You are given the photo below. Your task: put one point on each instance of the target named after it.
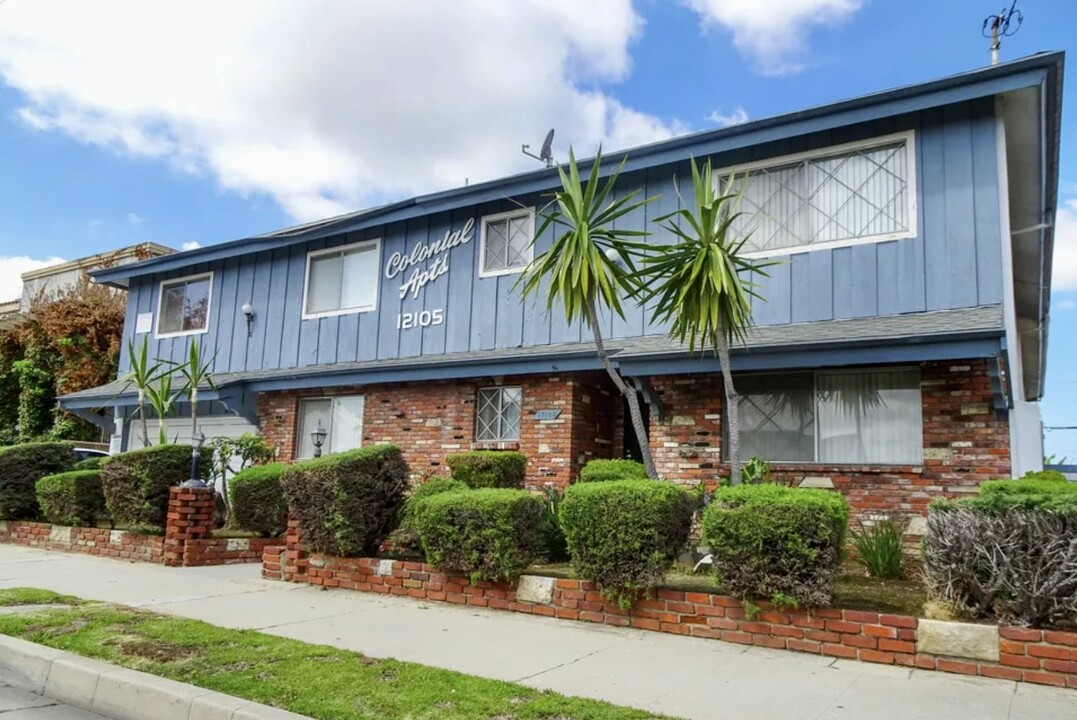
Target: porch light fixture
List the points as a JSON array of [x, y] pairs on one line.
[[196, 453], [318, 438], [248, 312]]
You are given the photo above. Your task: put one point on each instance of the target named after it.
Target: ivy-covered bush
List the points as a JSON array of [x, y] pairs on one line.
[[617, 469], [21, 466], [94, 462], [771, 541], [346, 503], [136, 483], [257, 501], [490, 534], [72, 498], [488, 468], [1009, 553], [625, 534]]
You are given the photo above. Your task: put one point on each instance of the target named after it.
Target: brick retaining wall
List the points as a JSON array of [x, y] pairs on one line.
[[118, 544], [1044, 657]]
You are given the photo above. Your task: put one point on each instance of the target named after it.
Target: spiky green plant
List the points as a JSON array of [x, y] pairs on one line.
[[163, 400], [196, 374], [142, 375], [590, 264], [701, 284]]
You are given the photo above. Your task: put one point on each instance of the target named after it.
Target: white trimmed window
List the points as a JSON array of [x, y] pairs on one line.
[[497, 415], [507, 242], [843, 195], [183, 306], [342, 419], [342, 280], [847, 416]]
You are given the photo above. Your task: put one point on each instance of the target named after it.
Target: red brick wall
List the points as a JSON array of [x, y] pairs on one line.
[[430, 420], [1037, 656], [965, 442], [89, 541]]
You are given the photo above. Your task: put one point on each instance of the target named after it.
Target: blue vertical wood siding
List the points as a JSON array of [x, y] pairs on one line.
[[954, 261]]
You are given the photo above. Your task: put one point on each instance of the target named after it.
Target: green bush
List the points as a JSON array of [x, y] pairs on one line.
[[554, 533], [257, 501], [880, 548], [624, 535], [72, 498], [21, 466], [405, 538], [771, 540], [607, 470], [1049, 475], [491, 534], [136, 483], [488, 468], [346, 503], [1009, 554], [94, 462]]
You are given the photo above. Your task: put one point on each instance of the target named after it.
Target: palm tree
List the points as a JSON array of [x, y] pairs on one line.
[[700, 282], [142, 375], [590, 263]]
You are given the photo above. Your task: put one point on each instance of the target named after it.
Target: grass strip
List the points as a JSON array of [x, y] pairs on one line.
[[34, 596], [316, 680]]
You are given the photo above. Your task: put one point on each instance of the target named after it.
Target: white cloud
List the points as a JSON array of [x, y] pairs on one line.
[[328, 106], [1064, 263], [1065, 305], [738, 117], [192, 245], [773, 33], [11, 270], [135, 219]]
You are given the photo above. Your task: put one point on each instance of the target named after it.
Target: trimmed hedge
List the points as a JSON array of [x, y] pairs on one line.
[[347, 502], [617, 469], [405, 538], [72, 498], [257, 501], [91, 463], [1009, 553], [777, 543], [21, 466], [624, 535], [491, 534], [488, 468], [136, 483]]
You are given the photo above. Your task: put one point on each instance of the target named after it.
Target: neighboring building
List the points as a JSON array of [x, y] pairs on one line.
[[899, 354]]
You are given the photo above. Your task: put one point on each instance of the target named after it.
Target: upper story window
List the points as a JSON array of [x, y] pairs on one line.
[[506, 242], [183, 307], [341, 418], [497, 417], [844, 195], [342, 280], [847, 416]]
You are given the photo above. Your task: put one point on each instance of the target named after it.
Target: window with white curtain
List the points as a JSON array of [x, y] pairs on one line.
[[846, 416], [497, 415], [861, 192], [342, 280], [342, 419]]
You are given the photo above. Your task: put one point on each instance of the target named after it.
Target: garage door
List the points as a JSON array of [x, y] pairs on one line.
[[178, 430]]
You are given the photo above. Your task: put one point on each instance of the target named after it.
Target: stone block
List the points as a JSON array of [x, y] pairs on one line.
[[126, 694], [955, 639], [385, 568], [60, 534], [823, 483], [238, 544], [938, 454], [917, 526], [535, 589], [116, 536], [682, 420]]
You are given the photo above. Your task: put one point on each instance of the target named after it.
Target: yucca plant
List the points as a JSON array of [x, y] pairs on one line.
[[142, 375], [880, 548], [196, 373], [163, 400], [590, 264], [701, 284]]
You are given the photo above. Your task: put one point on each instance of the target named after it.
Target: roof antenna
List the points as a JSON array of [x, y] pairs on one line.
[[998, 26], [546, 153]]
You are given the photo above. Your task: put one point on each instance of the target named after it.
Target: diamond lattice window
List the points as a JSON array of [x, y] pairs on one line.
[[507, 242], [861, 193], [497, 416]]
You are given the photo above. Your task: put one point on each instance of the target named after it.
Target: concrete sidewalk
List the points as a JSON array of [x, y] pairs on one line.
[[684, 677], [18, 704]]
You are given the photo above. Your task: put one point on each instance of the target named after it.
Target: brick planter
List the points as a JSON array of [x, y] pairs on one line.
[[186, 541], [1044, 657]]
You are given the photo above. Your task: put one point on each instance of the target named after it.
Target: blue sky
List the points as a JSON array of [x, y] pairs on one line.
[[113, 131]]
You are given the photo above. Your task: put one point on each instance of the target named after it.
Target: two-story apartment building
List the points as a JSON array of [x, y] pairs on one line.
[[898, 351]]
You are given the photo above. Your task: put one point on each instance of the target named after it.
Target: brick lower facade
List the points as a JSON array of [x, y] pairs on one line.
[[965, 441]]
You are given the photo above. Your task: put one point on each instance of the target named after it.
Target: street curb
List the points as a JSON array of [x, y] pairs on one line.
[[119, 693]]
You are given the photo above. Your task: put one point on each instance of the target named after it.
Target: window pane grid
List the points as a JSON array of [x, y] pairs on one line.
[[497, 416], [507, 243]]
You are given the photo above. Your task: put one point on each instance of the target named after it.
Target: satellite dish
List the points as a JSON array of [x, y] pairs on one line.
[[546, 154]]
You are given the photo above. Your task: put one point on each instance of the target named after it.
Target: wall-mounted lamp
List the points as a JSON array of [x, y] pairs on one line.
[[613, 256], [248, 312]]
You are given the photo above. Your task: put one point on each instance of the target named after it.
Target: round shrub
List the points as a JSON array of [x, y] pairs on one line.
[[617, 469], [346, 502], [136, 483], [72, 498], [771, 540], [21, 466], [94, 462], [625, 534], [491, 534], [432, 487], [488, 468], [257, 500], [405, 538]]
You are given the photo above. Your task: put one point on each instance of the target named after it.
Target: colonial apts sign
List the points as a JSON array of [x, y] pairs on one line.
[[419, 274]]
